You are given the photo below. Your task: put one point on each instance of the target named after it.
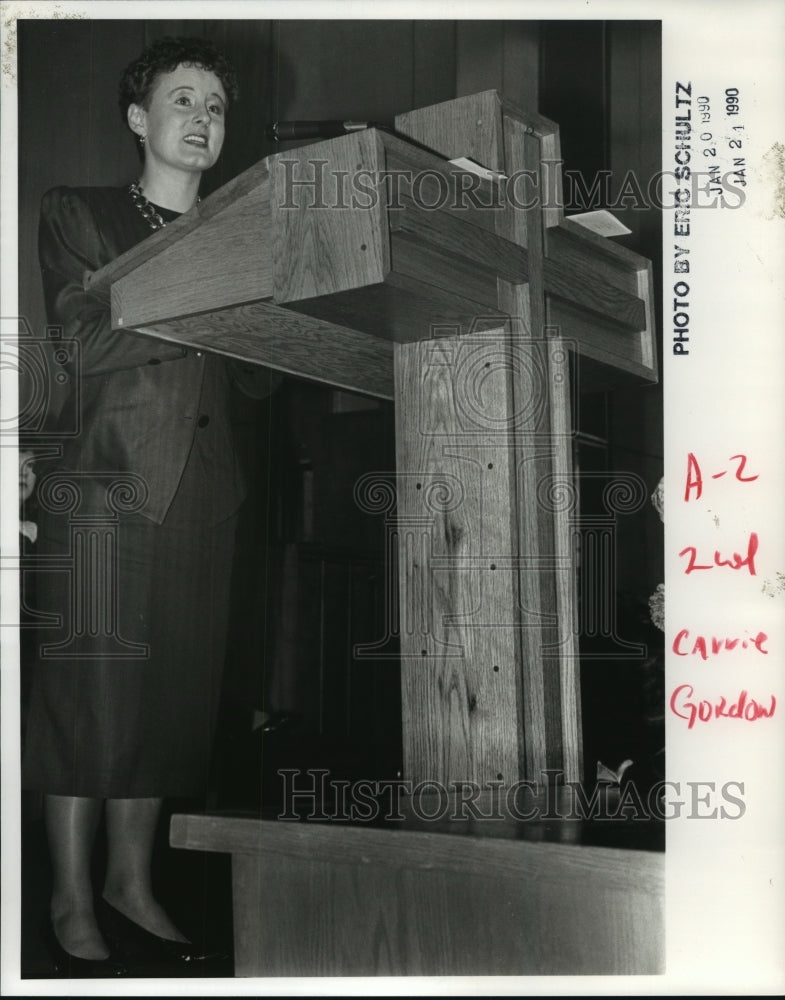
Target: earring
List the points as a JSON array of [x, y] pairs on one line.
[[142, 140]]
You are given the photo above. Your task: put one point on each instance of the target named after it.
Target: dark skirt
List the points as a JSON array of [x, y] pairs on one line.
[[125, 691]]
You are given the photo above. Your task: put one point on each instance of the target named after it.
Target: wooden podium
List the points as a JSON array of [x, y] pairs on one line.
[[372, 263]]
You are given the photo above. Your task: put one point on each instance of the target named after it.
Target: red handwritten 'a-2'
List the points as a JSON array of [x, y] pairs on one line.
[[694, 480]]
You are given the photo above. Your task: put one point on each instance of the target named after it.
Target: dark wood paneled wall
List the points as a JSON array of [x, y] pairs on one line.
[[634, 150], [499, 55]]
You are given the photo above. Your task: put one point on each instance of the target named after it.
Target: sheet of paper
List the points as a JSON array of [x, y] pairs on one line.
[[601, 222], [465, 163]]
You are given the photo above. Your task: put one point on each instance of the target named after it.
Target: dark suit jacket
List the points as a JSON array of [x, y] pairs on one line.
[[147, 407]]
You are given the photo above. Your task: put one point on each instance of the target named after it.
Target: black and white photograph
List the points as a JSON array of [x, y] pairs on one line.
[[393, 587]]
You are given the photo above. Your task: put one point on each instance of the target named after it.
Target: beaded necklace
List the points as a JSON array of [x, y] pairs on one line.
[[148, 212]]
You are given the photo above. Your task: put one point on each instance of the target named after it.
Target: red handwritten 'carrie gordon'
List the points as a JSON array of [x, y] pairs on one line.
[[743, 707]]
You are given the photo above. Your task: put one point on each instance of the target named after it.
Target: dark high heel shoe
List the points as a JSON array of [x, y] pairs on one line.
[[140, 945], [70, 966]]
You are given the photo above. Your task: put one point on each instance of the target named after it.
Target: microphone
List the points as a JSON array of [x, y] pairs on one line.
[[283, 131], [315, 130]]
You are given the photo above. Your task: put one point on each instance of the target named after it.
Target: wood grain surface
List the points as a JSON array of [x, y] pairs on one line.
[[222, 263], [450, 847], [290, 342], [321, 899], [99, 282], [466, 126], [543, 455], [458, 618], [325, 238]]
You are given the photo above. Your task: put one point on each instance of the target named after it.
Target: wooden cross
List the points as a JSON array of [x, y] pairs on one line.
[[509, 707], [479, 313]]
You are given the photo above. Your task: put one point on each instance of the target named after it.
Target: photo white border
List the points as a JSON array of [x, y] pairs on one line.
[[725, 914]]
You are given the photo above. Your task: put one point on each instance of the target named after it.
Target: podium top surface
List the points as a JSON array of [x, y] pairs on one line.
[[413, 244]]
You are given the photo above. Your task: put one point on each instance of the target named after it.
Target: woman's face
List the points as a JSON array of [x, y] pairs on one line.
[[184, 124]]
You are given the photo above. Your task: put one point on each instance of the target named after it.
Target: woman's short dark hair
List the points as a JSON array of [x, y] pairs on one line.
[[165, 55]]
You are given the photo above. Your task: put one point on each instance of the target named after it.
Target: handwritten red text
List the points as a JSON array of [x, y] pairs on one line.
[[706, 646], [742, 707], [736, 561], [694, 481]]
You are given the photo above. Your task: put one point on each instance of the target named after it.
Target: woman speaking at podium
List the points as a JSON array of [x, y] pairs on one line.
[[129, 720]]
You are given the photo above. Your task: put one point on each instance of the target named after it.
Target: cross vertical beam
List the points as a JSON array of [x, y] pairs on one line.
[[492, 409]]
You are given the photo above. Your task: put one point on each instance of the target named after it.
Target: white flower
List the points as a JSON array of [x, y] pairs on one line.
[[657, 607], [658, 499]]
